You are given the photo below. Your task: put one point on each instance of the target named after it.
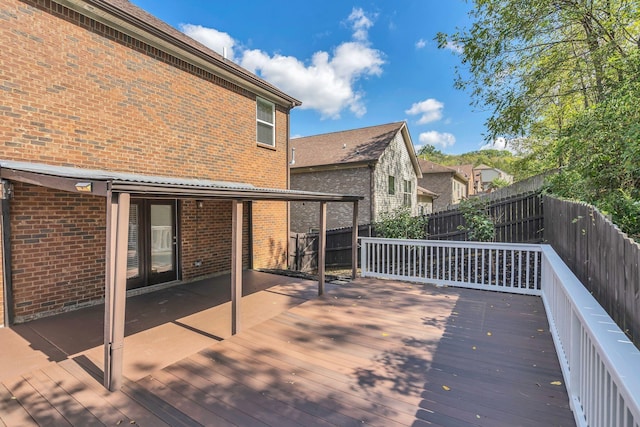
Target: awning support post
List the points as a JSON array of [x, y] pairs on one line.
[[236, 265], [115, 287], [322, 246]]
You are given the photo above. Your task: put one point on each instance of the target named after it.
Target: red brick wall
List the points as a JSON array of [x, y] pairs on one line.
[[206, 237], [79, 94], [58, 250]]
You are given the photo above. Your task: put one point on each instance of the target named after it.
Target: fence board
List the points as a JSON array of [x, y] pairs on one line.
[[601, 256], [303, 248], [518, 219]]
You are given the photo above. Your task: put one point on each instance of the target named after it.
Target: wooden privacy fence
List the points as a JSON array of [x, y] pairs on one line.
[[303, 248], [605, 260], [518, 219]]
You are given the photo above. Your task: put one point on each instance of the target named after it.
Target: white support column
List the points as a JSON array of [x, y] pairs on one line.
[[115, 287], [354, 242], [322, 246], [236, 265]]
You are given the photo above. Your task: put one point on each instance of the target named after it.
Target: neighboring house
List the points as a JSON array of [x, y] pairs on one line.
[[377, 162], [130, 153], [474, 184], [425, 201], [450, 185], [488, 174]]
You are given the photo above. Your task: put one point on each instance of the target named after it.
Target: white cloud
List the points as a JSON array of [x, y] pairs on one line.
[[499, 143], [429, 110], [360, 23], [212, 38], [437, 139], [454, 47], [327, 82], [421, 44]]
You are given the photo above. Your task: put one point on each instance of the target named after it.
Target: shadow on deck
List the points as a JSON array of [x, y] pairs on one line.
[[370, 352]]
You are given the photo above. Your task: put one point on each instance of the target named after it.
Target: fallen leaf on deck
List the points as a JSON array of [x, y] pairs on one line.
[[540, 330], [446, 388], [489, 333], [474, 347], [384, 334], [556, 383]]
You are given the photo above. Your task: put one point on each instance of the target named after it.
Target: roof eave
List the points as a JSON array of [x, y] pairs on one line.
[[412, 152]]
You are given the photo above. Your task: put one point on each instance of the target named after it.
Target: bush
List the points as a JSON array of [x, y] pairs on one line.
[[479, 224], [399, 224]]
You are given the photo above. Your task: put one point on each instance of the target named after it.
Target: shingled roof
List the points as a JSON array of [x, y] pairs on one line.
[[364, 145], [428, 167], [134, 21]]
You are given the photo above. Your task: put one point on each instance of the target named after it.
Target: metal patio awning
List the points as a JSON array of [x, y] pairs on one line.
[[100, 182], [118, 188]]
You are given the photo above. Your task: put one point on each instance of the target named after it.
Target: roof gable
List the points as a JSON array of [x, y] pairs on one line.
[[350, 146], [428, 167]]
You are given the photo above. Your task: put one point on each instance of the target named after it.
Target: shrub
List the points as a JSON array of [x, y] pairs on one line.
[[399, 224], [479, 224]]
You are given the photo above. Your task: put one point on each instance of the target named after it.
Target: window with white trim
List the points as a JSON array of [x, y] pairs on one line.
[[407, 193], [266, 122]]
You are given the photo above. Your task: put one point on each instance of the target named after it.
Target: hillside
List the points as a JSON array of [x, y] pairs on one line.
[[501, 159]]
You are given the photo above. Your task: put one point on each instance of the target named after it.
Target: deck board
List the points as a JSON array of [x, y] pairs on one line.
[[371, 352]]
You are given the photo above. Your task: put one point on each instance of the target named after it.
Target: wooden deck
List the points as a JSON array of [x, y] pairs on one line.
[[370, 352]]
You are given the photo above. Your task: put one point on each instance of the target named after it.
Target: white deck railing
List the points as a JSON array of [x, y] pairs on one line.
[[601, 367]]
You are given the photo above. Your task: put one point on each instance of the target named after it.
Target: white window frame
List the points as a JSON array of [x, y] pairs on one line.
[[407, 190], [272, 125]]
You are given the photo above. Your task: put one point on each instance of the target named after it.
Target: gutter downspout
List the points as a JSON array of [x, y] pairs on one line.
[[6, 191]]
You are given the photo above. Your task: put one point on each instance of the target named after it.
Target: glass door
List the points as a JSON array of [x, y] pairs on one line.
[[162, 242], [151, 256]]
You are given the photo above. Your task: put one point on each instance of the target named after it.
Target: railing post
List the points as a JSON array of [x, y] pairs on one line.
[[364, 266]]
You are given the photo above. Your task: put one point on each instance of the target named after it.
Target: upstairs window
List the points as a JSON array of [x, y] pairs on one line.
[[266, 120], [407, 193], [392, 185]]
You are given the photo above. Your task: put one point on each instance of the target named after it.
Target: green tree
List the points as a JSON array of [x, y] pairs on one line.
[[479, 225], [562, 80], [539, 62], [430, 152]]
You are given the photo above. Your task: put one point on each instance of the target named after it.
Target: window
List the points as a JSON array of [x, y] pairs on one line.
[[407, 193], [265, 117], [392, 185]]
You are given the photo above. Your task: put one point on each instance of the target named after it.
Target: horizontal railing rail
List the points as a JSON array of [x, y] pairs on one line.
[[600, 365], [489, 266]]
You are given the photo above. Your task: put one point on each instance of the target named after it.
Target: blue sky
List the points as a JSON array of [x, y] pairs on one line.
[[351, 64]]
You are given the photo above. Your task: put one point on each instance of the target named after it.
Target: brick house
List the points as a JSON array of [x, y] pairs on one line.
[[450, 184], [132, 158], [377, 162], [425, 200]]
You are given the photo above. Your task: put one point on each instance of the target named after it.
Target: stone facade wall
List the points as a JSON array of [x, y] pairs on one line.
[[395, 161]]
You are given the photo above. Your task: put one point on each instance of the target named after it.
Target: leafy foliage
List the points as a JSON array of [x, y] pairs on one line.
[[399, 224], [499, 183], [562, 79], [602, 148], [479, 224]]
